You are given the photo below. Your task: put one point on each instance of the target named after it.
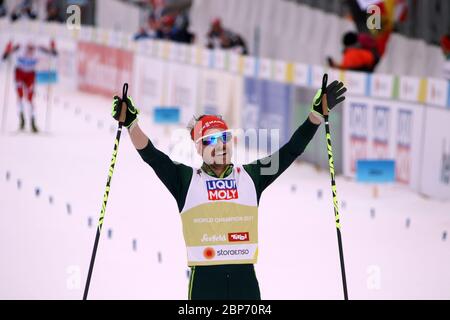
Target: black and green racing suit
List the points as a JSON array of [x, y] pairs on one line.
[[227, 281]]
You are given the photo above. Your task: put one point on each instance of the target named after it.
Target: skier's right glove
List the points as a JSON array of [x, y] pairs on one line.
[[132, 111]]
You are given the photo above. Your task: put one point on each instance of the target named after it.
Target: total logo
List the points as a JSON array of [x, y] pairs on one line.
[[222, 189], [239, 236]]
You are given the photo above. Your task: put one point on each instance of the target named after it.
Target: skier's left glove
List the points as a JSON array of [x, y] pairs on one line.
[[335, 95], [132, 111]]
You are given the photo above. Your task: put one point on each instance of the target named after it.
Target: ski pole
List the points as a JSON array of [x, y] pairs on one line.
[[333, 181], [6, 95], [108, 184]]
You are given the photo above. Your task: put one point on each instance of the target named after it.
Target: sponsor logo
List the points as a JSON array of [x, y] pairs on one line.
[[238, 236], [209, 253], [221, 189], [213, 238], [232, 252]]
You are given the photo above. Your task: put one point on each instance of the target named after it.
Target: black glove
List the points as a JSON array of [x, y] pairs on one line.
[[335, 95], [132, 111]]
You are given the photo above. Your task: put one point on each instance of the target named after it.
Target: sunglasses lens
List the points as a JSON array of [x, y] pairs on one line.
[[212, 140]]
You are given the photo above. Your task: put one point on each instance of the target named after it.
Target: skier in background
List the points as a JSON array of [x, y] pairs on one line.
[[25, 75]]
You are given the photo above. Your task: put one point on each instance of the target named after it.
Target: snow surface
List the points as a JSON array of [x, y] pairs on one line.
[[45, 249]]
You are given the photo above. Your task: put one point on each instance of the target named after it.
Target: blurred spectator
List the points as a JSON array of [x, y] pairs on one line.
[[368, 42], [175, 27], [172, 27], [144, 33], [219, 37], [2, 8], [53, 11], [24, 8], [354, 57], [166, 27], [392, 13], [445, 45]]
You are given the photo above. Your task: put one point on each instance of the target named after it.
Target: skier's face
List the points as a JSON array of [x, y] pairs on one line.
[[30, 50], [216, 147]]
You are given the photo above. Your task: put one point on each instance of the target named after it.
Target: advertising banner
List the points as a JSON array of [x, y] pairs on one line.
[[103, 70], [150, 82], [435, 175], [381, 129], [182, 89], [267, 105], [219, 93]]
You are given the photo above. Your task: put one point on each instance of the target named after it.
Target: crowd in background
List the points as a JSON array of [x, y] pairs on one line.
[[27, 9], [169, 19]]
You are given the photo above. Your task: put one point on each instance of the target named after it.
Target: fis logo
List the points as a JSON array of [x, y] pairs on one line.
[[238, 236], [221, 189]]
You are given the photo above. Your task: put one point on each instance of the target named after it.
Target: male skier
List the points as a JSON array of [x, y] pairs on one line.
[[218, 202]]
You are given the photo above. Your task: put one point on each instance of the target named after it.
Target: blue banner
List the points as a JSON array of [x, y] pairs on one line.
[[46, 77], [375, 171], [267, 106], [166, 115]]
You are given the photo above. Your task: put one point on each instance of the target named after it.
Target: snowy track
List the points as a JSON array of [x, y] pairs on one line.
[[393, 245]]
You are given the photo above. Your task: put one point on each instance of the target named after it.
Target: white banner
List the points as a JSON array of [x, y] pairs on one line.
[[66, 62], [150, 82], [382, 86], [437, 92], [219, 93], [409, 88], [381, 129], [182, 89], [355, 82], [435, 175]]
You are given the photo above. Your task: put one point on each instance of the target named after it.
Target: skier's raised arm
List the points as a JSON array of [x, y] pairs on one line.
[[279, 161], [51, 50], [9, 50], [175, 176]]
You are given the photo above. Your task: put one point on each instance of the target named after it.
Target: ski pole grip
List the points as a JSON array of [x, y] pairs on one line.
[[123, 111], [324, 95]]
